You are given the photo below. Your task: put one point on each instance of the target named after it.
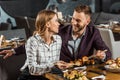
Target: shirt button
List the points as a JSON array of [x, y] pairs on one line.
[[48, 49]]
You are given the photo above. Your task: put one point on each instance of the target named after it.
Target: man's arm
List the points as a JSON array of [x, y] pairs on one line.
[[101, 47], [16, 51], [20, 50]]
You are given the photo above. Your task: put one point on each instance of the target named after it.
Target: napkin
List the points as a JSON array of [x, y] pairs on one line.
[[101, 77]]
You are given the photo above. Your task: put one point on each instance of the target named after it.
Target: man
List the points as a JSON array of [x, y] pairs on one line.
[[79, 39]]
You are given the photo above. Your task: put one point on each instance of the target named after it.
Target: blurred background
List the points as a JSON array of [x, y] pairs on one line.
[[30, 8]]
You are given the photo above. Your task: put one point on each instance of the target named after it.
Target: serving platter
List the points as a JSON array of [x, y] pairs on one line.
[[107, 67]]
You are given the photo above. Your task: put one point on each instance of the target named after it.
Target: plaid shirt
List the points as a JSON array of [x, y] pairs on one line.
[[40, 56]]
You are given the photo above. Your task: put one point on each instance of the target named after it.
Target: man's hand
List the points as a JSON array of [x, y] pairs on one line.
[[101, 54], [6, 53]]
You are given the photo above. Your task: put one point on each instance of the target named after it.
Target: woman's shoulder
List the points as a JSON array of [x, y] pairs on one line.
[[56, 36], [34, 38]]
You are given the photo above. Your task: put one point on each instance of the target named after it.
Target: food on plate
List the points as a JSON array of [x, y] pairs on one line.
[[75, 75], [78, 63], [114, 64], [92, 61], [111, 61], [85, 59], [118, 59]]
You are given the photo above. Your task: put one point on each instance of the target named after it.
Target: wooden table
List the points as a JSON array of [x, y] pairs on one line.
[[109, 75]]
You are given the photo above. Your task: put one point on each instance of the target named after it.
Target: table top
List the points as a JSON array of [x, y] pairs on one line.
[[115, 29], [109, 75], [91, 72]]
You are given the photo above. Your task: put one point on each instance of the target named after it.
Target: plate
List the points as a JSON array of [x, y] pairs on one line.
[[107, 67], [80, 68], [5, 48]]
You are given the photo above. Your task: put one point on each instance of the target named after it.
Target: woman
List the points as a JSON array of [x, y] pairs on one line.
[[43, 48]]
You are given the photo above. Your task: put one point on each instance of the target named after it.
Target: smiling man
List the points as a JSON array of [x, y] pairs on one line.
[[81, 37]]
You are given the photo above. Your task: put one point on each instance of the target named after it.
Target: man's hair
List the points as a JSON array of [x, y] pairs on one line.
[[83, 8]]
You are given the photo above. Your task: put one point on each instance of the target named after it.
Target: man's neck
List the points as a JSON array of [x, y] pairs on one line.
[[78, 34]]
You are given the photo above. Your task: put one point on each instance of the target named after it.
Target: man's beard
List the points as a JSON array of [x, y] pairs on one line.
[[80, 28]]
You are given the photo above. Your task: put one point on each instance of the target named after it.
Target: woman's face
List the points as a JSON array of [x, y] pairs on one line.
[[54, 25]]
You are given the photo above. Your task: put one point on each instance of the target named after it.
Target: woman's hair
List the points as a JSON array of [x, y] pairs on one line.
[[43, 17], [83, 8]]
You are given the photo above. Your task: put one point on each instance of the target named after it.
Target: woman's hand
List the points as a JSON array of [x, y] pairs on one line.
[[63, 65]]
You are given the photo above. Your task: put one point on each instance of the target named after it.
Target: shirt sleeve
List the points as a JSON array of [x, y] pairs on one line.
[[34, 65]]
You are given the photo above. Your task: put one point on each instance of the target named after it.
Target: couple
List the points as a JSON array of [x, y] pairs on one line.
[[45, 48]]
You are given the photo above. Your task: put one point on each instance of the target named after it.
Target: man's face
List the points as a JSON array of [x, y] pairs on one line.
[[79, 21]]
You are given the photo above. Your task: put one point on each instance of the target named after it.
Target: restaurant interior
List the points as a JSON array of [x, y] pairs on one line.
[[17, 22]]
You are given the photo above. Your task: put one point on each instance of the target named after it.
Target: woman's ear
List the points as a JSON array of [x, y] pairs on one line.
[[48, 24]]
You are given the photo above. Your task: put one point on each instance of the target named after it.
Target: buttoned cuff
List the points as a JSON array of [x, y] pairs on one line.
[[13, 51], [103, 60]]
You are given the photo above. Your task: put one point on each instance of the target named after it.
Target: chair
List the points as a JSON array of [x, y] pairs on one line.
[[21, 23], [5, 26], [108, 38], [31, 24], [27, 23]]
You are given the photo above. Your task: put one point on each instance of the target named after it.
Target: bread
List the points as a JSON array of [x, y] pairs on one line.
[[92, 61], [109, 62], [77, 63], [85, 59], [118, 59]]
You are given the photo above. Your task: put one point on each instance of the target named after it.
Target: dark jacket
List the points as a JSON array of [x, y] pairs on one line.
[[90, 41], [20, 50]]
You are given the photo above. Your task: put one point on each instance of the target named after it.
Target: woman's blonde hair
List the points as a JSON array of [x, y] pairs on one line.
[[43, 17]]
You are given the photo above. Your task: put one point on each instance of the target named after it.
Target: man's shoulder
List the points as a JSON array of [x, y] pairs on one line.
[[92, 30], [65, 28]]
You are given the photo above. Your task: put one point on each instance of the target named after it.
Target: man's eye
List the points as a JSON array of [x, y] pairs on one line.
[[77, 20]]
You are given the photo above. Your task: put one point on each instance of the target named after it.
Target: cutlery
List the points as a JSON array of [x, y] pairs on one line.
[[94, 55]]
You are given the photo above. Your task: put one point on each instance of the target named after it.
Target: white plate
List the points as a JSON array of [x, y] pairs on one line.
[[5, 48], [76, 68], [112, 69], [81, 68], [101, 77]]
